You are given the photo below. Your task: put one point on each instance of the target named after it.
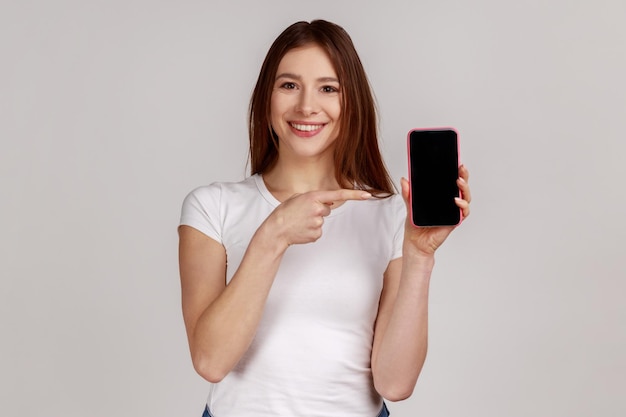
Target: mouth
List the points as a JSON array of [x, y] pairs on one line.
[[306, 127]]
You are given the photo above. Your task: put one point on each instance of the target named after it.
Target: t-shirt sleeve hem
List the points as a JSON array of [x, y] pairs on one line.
[[201, 227], [395, 256], [201, 210]]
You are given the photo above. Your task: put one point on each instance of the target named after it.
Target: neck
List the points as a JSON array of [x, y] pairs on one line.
[[286, 179]]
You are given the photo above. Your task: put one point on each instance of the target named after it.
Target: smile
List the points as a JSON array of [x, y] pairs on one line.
[[306, 128]]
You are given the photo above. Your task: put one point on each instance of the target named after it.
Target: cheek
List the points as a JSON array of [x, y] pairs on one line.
[[335, 113], [274, 110], [278, 106], [272, 102], [335, 109]]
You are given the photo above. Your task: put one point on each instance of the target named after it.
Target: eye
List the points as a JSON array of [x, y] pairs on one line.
[[288, 86], [330, 89]]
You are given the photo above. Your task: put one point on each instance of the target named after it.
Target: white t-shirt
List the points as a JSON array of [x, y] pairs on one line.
[[311, 353]]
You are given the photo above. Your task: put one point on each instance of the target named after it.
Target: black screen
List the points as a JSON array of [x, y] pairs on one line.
[[433, 156]]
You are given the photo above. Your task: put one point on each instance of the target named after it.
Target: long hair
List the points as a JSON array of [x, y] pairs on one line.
[[357, 156]]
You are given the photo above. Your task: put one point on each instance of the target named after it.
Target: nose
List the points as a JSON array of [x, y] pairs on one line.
[[307, 103]]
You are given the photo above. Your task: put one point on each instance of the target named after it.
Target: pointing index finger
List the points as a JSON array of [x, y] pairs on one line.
[[331, 197]]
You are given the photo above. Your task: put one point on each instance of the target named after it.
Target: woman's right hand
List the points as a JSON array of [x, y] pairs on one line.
[[299, 219]]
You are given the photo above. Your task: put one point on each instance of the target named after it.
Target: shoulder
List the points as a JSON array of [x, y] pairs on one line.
[[385, 212], [207, 207], [214, 199], [392, 205], [390, 212], [217, 190]]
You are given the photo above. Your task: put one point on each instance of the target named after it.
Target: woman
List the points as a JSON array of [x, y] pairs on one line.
[[304, 287]]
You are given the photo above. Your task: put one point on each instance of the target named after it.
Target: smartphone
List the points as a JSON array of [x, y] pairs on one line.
[[433, 171]]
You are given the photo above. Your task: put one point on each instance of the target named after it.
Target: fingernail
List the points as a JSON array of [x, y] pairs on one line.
[[365, 195], [462, 180]]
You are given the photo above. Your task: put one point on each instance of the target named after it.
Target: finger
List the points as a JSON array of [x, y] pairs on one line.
[[405, 188], [319, 222], [335, 196], [463, 205], [465, 189], [325, 210], [464, 172], [293, 196]]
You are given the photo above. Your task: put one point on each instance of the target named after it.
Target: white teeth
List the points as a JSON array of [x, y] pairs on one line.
[[306, 128]]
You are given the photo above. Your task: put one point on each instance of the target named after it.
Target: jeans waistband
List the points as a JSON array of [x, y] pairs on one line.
[[384, 412]]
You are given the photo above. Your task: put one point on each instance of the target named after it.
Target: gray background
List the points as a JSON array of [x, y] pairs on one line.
[[111, 111]]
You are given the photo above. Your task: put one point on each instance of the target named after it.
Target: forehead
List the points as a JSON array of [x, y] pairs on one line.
[[309, 59]]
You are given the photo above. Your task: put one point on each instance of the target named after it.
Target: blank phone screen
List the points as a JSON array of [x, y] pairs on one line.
[[434, 161]]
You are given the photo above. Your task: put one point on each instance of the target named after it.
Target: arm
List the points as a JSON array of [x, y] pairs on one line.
[[221, 320], [401, 330]]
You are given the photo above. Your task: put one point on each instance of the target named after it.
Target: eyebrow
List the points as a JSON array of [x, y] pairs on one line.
[[299, 78]]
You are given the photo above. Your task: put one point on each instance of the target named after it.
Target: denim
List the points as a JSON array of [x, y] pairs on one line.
[[384, 412]]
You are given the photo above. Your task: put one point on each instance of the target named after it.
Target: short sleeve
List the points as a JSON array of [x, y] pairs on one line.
[[201, 210], [399, 218]]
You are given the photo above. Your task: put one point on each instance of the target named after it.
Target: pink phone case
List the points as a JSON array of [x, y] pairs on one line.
[[408, 145]]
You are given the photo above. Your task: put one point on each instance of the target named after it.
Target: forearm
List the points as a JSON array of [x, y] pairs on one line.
[[227, 326], [401, 351]]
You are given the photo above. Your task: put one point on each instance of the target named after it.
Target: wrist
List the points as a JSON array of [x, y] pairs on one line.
[[418, 259], [269, 237]]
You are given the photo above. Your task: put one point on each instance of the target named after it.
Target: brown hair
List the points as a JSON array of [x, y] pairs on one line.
[[357, 157]]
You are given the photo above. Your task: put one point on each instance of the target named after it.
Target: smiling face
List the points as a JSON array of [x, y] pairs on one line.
[[306, 104]]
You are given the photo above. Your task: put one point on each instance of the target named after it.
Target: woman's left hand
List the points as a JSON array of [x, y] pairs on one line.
[[426, 240]]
